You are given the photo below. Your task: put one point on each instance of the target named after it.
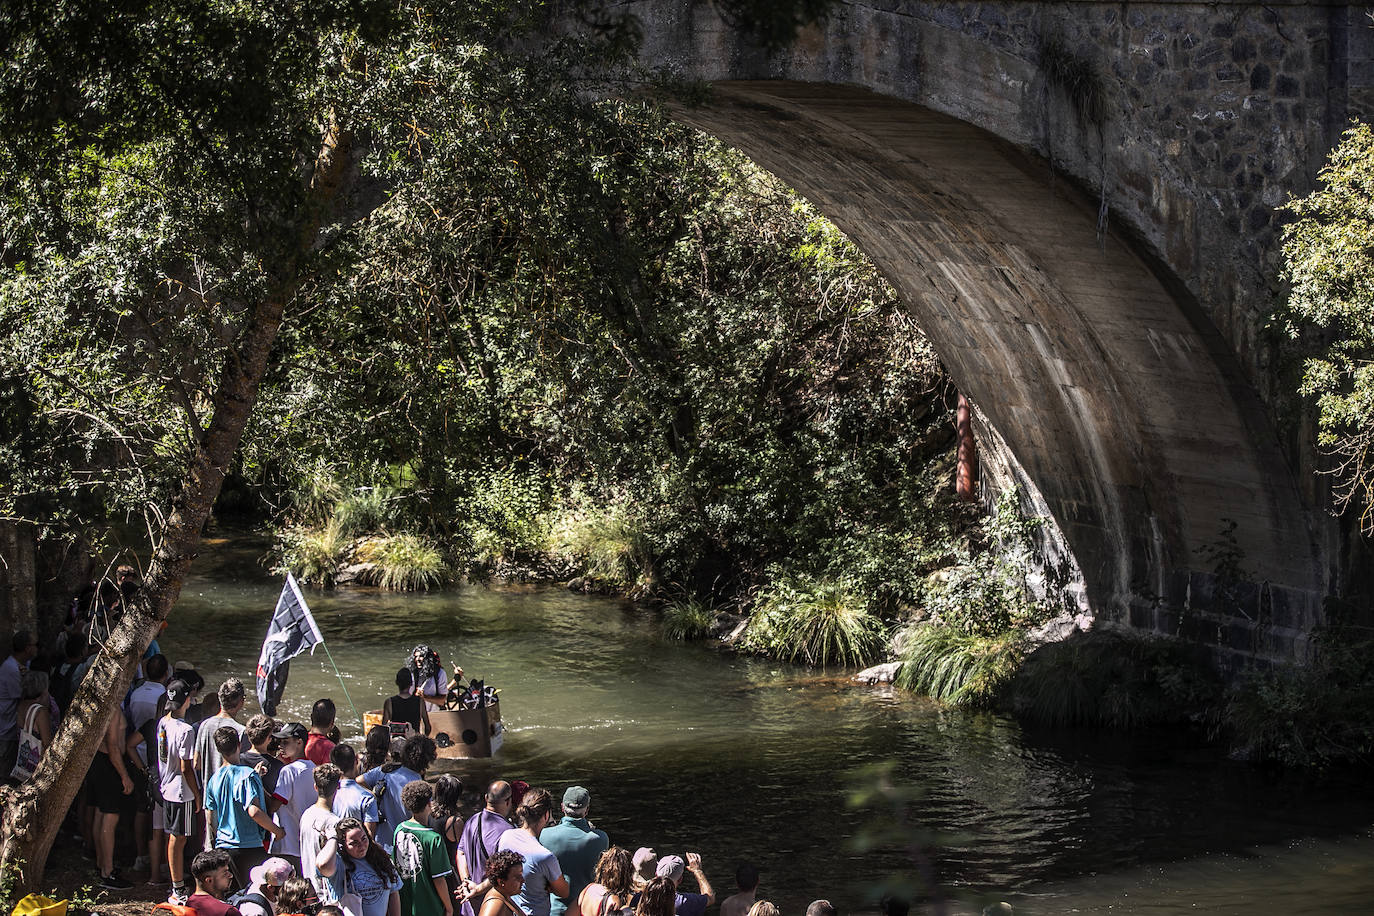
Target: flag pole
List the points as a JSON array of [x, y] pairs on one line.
[[361, 723]]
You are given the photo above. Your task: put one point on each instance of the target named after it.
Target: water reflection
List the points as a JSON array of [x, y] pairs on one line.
[[682, 747]]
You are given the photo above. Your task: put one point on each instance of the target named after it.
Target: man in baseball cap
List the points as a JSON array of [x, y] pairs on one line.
[[577, 844], [673, 868]]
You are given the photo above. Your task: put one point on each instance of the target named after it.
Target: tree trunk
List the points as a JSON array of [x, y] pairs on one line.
[[18, 577], [34, 812]]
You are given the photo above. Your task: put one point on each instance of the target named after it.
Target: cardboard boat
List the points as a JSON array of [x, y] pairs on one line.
[[460, 734]]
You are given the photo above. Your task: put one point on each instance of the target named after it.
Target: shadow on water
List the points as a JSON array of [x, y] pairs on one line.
[[684, 747]]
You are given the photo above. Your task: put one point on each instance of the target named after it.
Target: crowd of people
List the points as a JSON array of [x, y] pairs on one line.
[[278, 818]]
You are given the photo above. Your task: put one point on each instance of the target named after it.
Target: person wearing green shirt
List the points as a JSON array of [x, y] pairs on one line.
[[421, 857]]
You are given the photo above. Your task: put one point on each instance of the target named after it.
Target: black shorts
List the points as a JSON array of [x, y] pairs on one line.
[[178, 818], [105, 789]]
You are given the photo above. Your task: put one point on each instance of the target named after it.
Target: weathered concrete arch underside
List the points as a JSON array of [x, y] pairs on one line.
[[1122, 405]]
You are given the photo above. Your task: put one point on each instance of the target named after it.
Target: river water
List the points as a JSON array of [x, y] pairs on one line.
[[684, 747]]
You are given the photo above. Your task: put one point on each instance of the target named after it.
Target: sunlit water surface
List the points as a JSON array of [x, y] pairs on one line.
[[684, 747]]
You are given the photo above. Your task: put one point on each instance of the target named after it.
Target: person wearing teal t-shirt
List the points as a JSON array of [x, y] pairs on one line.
[[421, 857], [577, 844]]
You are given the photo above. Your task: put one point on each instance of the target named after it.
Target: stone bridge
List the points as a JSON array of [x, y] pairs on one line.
[[1077, 200]]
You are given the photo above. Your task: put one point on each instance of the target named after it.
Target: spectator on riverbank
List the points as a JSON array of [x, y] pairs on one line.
[[208, 758], [646, 864], [177, 786], [764, 908], [23, 648], [111, 792], [265, 883], [505, 872], [421, 858], [610, 889], [444, 816], [376, 746], [820, 908], [236, 808], [657, 898], [417, 753], [577, 845], [318, 843], [747, 880], [481, 834], [368, 871], [405, 706], [352, 800], [214, 877], [674, 868], [318, 744], [262, 755], [295, 790], [542, 871]]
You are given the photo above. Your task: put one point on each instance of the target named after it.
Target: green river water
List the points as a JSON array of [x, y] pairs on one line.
[[685, 747]]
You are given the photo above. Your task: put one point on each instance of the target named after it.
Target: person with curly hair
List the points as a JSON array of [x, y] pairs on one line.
[[610, 888], [505, 871], [293, 898]]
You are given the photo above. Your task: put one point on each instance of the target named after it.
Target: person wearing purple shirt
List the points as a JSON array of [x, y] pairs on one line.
[[481, 834]]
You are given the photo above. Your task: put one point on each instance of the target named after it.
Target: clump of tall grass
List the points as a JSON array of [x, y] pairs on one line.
[[959, 668], [819, 622], [314, 494], [1113, 678], [405, 562], [604, 541], [687, 618], [365, 510], [312, 554]]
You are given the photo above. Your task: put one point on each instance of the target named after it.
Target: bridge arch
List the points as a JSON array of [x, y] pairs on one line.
[[1124, 381]]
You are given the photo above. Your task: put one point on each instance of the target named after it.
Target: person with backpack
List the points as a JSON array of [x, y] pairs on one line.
[[265, 881], [387, 781], [481, 833]]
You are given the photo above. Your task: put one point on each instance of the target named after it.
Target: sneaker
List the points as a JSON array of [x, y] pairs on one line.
[[113, 882], [177, 898]]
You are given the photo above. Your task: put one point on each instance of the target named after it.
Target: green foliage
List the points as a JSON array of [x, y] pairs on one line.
[[405, 562], [959, 668], [504, 513], [312, 554], [988, 593], [1328, 251], [1115, 678], [603, 539], [1317, 715], [687, 618], [367, 509], [814, 621]]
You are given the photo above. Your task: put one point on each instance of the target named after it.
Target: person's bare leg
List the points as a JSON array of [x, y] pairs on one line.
[[105, 840]]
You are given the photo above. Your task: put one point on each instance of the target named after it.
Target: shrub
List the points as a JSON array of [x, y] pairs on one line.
[[506, 510], [405, 562], [956, 667], [604, 541], [1312, 716], [816, 622], [311, 554], [1114, 678], [314, 493], [687, 619], [369, 509]]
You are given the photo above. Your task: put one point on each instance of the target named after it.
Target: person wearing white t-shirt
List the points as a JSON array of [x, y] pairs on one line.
[[295, 790], [180, 790], [319, 842]]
